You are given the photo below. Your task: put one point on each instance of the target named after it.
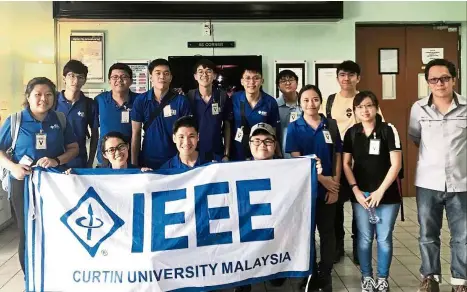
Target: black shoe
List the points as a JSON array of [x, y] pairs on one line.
[[340, 253], [277, 282], [325, 283], [245, 288], [312, 284]]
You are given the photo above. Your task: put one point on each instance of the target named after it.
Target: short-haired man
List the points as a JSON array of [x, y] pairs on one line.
[[438, 126], [186, 138], [289, 110], [80, 111], [155, 111], [250, 107], [212, 109], [114, 106]]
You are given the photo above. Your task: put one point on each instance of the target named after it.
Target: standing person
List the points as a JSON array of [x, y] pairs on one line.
[[114, 106], [80, 111], [186, 138], [212, 109], [438, 126], [374, 149], [45, 138], [155, 111], [313, 133], [250, 107], [289, 110]]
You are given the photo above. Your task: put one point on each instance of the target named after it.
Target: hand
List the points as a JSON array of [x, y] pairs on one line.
[[319, 166], [374, 198], [361, 198], [68, 171], [19, 171], [329, 183], [145, 169], [225, 158], [46, 162], [179, 91], [331, 198]]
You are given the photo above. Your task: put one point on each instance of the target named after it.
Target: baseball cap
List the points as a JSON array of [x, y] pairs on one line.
[[262, 127]]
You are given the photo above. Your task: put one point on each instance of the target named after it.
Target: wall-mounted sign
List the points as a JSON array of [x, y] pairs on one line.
[[211, 44]]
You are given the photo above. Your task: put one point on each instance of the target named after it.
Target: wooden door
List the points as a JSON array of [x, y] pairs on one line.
[[409, 40]]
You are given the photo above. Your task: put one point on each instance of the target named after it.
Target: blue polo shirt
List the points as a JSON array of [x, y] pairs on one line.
[[211, 125], [302, 138], [76, 115], [158, 146], [56, 140], [265, 111], [175, 162], [110, 117]]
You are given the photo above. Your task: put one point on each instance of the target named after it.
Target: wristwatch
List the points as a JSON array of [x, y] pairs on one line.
[[352, 186], [58, 160]]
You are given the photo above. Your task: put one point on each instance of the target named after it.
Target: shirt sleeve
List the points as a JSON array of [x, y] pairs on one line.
[[185, 106], [291, 141], [98, 100], [348, 142], [274, 117], [5, 135], [393, 139], [137, 112], [338, 143], [415, 131], [69, 135]]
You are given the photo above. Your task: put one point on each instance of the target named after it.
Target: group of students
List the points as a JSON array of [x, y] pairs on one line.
[[346, 132]]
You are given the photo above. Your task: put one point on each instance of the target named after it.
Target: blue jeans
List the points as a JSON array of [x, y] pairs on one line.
[[366, 232], [430, 205]]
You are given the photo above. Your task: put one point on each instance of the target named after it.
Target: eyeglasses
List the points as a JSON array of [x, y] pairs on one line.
[[207, 72], [76, 76], [283, 81], [365, 106], [120, 147], [252, 79], [443, 80], [267, 142], [350, 75], [122, 77]]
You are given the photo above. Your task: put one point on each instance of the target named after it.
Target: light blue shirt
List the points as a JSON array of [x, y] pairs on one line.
[[285, 111]]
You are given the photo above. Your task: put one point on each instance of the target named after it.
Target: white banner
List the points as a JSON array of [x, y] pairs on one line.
[[212, 227]]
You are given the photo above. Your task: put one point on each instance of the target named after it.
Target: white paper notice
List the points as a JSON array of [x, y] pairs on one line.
[[389, 86], [423, 88], [327, 81], [429, 54], [389, 61]]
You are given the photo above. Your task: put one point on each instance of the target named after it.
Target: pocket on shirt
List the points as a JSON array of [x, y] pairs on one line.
[[461, 123]]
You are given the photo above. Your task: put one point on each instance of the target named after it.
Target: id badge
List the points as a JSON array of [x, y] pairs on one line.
[[374, 146], [215, 109], [41, 141], [293, 117], [167, 111], [26, 160], [327, 137], [239, 135], [125, 117]]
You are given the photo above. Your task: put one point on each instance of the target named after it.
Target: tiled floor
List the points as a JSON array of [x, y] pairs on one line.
[[404, 275]]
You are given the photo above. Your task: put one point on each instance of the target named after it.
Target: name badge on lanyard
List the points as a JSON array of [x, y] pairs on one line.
[[239, 135], [374, 145], [293, 117], [215, 109], [125, 117], [41, 141], [167, 111], [327, 137]]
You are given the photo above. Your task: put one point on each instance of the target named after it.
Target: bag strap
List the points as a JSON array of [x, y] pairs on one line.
[[329, 103], [15, 125], [332, 125], [164, 102], [246, 131], [62, 119]]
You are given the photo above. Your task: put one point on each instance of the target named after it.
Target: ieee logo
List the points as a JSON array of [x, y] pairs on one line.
[[263, 113], [91, 221], [81, 114]]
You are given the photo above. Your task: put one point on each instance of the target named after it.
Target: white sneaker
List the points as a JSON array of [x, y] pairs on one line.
[[382, 285], [368, 284]]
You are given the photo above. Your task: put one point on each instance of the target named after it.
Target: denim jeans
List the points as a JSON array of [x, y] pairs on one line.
[[366, 232], [430, 206]]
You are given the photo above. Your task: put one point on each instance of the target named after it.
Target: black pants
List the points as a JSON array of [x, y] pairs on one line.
[[325, 215], [344, 195], [17, 201]]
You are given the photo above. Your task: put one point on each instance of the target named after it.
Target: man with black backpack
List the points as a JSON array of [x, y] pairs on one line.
[[212, 109], [156, 111], [80, 111]]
